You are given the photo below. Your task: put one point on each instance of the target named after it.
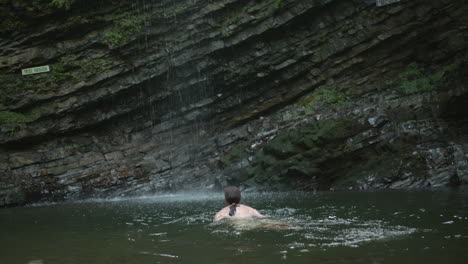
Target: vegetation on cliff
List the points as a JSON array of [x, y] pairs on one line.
[[126, 25], [65, 4], [416, 78], [12, 120]]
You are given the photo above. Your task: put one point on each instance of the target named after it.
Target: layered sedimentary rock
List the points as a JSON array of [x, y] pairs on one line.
[[151, 96]]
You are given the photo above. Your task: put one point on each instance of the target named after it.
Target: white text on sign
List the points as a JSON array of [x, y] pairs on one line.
[[34, 70]]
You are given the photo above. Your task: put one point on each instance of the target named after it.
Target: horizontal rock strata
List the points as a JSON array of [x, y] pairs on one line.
[[151, 96]]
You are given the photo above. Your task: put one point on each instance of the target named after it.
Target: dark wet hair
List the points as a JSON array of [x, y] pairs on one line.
[[232, 195]]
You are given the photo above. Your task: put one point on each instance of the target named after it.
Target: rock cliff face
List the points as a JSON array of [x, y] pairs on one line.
[[151, 96]]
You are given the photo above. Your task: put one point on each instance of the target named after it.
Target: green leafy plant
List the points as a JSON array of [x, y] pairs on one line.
[[414, 80], [326, 96], [417, 79], [331, 96], [278, 3], [226, 33], [62, 70], [122, 31], [65, 4], [12, 120]]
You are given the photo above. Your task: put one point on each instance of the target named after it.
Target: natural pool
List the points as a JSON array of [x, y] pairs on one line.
[[331, 227]]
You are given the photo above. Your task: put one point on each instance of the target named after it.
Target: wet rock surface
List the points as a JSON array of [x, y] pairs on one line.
[[154, 96]]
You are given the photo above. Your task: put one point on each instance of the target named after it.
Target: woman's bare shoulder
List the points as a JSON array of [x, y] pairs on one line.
[[223, 213], [252, 211]]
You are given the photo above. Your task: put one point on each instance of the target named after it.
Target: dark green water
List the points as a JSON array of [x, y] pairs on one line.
[[335, 227]]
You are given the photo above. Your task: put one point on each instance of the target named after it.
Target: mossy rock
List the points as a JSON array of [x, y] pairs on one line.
[[126, 26], [12, 121], [282, 147], [311, 136], [417, 78], [265, 161], [297, 154], [236, 153]]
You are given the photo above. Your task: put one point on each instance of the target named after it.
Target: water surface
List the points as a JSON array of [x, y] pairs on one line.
[[334, 227]]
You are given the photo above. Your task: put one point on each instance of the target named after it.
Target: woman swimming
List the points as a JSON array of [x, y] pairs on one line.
[[234, 209]]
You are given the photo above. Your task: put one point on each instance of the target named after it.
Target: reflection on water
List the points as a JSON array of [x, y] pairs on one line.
[[340, 227]]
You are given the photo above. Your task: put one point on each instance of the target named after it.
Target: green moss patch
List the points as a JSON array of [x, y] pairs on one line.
[[328, 96], [64, 4], [13, 121], [12, 118], [125, 27], [416, 78], [236, 153]]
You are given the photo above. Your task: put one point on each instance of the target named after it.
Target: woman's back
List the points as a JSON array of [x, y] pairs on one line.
[[242, 211]]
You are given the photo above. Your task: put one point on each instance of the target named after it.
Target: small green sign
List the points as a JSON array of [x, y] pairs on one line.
[[34, 70], [386, 2]]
